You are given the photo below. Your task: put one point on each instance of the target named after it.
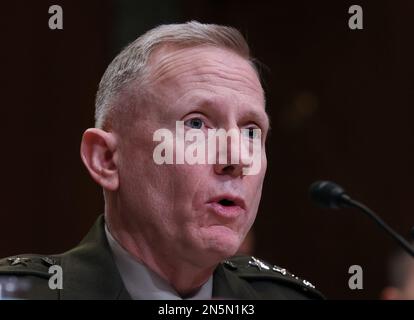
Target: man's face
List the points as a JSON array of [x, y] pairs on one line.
[[176, 208]]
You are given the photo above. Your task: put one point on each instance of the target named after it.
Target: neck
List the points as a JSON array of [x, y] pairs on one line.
[[184, 275], [186, 278]]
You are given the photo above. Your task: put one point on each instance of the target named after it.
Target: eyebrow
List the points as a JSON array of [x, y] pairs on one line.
[[261, 117]]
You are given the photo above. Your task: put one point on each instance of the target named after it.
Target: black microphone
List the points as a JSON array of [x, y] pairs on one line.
[[330, 195]]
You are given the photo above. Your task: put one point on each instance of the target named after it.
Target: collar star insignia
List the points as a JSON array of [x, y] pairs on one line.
[[280, 270], [308, 284], [230, 264], [258, 263], [48, 261], [18, 260]]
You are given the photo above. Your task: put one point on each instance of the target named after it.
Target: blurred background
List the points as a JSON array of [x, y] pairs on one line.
[[340, 101]]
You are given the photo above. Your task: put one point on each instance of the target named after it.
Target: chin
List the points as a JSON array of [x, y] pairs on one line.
[[222, 242]]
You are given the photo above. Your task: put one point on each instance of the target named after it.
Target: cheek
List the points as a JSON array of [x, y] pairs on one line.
[[189, 182], [144, 183], [178, 187]]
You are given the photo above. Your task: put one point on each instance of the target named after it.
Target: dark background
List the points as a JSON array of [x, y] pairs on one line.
[[341, 104]]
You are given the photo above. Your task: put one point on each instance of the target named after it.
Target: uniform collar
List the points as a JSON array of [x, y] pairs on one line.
[[143, 283], [90, 272]]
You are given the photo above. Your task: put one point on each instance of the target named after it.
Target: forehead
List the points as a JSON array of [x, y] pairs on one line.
[[169, 60], [175, 73]]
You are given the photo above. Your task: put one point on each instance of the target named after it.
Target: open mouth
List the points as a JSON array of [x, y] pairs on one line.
[[227, 206], [226, 202]]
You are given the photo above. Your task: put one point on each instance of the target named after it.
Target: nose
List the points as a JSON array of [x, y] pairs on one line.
[[234, 164], [234, 170]]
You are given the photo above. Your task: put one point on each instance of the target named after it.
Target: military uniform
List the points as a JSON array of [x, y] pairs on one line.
[[90, 272]]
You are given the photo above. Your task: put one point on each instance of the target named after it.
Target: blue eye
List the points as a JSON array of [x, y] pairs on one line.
[[194, 123]]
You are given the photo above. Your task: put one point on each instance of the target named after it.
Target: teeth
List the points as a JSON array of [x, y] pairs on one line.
[[226, 202]]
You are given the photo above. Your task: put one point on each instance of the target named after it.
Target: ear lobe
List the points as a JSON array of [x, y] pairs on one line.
[[98, 153]]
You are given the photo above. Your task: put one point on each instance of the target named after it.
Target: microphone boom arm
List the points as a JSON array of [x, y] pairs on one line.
[[381, 223], [330, 195]]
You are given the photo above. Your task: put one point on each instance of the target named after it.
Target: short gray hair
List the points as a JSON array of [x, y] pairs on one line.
[[130, 64]]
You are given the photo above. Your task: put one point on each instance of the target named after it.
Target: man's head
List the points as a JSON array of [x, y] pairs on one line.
[[201, 75]]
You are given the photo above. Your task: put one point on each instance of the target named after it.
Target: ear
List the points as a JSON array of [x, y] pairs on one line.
[[99, 154]]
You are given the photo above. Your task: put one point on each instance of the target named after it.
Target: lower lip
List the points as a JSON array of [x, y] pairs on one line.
[[225, 211]]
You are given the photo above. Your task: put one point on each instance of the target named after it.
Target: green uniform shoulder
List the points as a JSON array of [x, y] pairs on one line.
[[265, 276], [27, 276], [27, 265]]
